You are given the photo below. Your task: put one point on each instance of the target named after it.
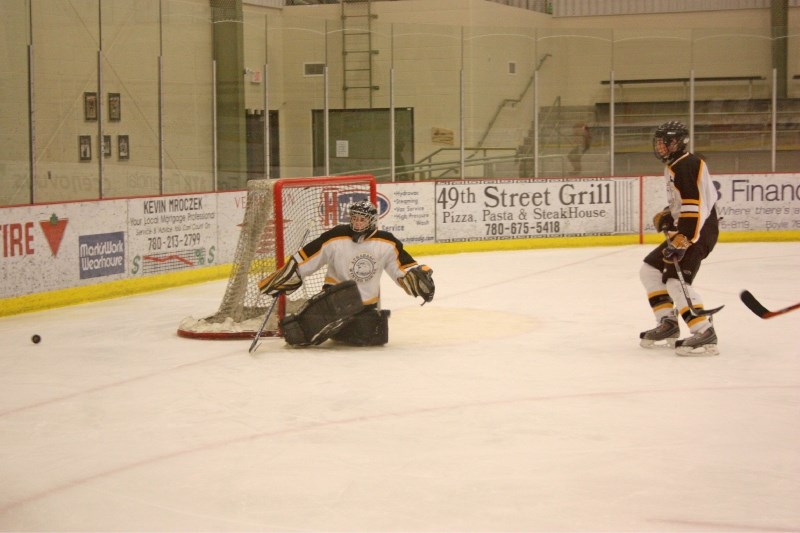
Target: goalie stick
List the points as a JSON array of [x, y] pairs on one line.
[[257, 338], [694, 312], [755, 306]]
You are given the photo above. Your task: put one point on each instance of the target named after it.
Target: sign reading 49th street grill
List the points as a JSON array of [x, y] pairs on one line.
[[520, 209]]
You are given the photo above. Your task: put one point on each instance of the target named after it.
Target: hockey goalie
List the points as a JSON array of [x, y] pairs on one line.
[[347, 309]]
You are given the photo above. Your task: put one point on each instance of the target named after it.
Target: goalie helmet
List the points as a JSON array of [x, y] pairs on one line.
[[363, 219], [670, 140]]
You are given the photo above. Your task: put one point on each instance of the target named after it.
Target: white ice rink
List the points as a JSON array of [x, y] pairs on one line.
[[518, 400]]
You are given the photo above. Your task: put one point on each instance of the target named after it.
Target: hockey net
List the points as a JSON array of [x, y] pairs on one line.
[[280, 217]]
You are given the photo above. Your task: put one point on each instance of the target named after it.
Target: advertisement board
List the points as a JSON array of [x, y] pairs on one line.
[[408, 211], [746, 202], [171, 233], [522, 209], [51, 246], [759, 202], [47, 247]]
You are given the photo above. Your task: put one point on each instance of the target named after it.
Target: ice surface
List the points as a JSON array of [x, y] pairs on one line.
[[518, 400]]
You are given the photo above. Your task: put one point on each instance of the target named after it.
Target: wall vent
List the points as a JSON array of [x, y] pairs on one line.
[[313, 69]]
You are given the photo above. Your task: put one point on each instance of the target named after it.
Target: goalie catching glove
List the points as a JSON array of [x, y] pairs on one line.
[[285, 280], [418, 281]]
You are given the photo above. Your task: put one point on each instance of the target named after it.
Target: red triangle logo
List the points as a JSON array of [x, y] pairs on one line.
[[53, 230]]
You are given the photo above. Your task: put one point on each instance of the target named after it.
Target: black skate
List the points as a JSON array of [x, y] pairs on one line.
[[704, 343], [662, 336]]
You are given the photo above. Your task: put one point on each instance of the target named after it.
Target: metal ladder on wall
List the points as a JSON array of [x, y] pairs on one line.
[[357, 53]]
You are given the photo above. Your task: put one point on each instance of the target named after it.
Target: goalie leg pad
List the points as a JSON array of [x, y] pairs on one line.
[[323, 315], [370, 327]]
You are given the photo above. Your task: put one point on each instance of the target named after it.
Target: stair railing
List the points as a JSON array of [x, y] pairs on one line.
[[509, 101]]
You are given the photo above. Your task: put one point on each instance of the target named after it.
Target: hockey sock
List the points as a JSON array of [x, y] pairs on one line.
[[657, 294]]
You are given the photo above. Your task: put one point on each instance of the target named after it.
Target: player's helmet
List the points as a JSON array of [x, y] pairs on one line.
[[363, 219], [665, 134]]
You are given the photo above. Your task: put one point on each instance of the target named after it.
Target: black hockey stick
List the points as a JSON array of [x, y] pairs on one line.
[[257, 337], [755, 306], [692, 310]]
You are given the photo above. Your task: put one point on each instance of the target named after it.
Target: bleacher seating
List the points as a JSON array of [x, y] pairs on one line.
[[735, 134]]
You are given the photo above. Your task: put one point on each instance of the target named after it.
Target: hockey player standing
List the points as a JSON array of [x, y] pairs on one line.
[[691, 223], [357, 251]]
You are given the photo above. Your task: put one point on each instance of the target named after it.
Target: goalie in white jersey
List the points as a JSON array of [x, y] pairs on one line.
[[356, 255]]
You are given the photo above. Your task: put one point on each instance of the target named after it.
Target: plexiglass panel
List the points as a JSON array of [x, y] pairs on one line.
[[140, 97]]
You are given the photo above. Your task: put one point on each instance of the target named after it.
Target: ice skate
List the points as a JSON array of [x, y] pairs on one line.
[[662, 336], [704, 343]]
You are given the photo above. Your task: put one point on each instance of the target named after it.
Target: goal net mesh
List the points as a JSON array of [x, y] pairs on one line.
[[280, 217]]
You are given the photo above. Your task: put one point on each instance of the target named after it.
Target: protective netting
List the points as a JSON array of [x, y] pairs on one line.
[[281, 215]]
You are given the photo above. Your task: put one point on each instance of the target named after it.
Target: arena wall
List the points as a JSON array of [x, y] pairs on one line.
[[66, 253]]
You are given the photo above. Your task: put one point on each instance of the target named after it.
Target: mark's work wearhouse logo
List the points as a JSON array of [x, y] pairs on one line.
[[101, 255]]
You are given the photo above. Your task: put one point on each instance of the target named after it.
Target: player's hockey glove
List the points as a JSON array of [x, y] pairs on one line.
[[419, 282], [676, 248], [284, 280], [663, 220]]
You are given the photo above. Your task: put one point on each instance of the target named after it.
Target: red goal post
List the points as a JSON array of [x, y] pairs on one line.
[[278, 215]]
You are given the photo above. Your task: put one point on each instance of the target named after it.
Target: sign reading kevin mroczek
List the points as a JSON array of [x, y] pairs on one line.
[[171, 233], [520, 209]]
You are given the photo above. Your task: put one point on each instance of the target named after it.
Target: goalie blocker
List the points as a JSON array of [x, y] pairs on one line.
[[338, 313]]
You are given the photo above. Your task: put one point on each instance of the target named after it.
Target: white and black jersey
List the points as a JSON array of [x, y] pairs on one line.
[[362, 261]]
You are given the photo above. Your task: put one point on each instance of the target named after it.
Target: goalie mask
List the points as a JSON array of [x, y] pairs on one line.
[[670, 140], [363, 219]]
